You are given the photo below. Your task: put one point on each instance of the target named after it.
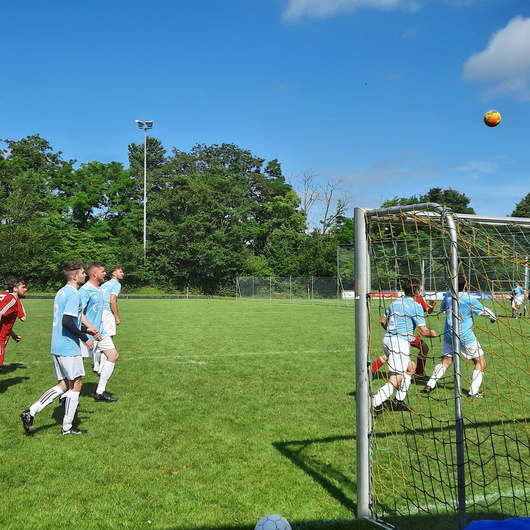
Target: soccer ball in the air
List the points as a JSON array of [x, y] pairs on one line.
[[492, 118], [273, 522]]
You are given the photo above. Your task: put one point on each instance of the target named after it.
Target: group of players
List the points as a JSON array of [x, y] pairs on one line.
[[85, 316], [400, 320]]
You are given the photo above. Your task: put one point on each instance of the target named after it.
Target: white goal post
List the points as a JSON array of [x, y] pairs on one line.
[[390, 245]]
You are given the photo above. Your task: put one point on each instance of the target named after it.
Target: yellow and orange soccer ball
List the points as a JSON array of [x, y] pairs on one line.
[[492, 118]]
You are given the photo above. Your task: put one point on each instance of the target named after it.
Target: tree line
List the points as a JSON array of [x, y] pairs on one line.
[[213, 213]]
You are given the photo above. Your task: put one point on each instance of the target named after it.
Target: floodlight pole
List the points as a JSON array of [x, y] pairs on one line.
[[145, 126]]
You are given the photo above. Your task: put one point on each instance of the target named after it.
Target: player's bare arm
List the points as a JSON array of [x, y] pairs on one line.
[[114, 308], [426, 332], [384, 322]]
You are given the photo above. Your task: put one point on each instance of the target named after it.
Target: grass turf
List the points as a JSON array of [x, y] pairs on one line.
[[227, 411]]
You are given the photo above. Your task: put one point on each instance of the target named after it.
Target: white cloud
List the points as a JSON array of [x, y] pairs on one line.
[[505, 63], [297, 9], [478, 166]]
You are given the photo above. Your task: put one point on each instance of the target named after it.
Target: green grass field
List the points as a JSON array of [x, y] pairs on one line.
[[227, 411]]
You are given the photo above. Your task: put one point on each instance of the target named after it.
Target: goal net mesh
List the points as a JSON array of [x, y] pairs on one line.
[[414, 466]]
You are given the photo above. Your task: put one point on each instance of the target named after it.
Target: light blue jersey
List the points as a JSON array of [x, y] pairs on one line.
[[403, 315], [92, 299], [518, 292], [67, 302], [109, 288], [469, 306]]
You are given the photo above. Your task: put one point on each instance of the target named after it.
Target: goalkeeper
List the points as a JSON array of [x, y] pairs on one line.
[[469, 347]]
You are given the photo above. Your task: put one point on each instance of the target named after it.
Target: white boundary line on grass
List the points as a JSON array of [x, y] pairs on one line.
[[192, 359]]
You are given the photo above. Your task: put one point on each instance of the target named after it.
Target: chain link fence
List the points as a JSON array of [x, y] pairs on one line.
[[291, 289]]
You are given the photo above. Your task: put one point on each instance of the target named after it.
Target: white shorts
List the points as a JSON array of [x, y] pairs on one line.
[[472, 350], [106, 343], [397, 351], [68, 367], [108, 322], [518, 300]]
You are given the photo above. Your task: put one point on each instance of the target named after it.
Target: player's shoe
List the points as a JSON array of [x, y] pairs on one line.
[[400, 405], [427, 389], [27, 422], [478, 395], [73, 430], [105, 397]]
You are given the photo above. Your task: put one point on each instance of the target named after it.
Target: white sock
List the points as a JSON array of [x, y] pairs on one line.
[[97, 359], [383, 394], [437, 374], [102, 361], [70, 406], [401, 393], [46, 399], [476, 381], [106, 372]]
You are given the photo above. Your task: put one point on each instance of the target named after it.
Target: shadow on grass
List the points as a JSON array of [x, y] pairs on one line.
[[322, 473], [6, 381]]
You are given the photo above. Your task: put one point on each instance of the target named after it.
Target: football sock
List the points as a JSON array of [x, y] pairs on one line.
[[476, 381], [401, 393], [106, 372], [383, 394], [420, 367], [377, 364], [46, 399], [437, 374], [70, 406]]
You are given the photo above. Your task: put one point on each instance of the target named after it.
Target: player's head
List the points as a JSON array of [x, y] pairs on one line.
[[74, 271], [411, 286], [462, 281], [116, 273], [96, 271], [16, 286], [516, 284]]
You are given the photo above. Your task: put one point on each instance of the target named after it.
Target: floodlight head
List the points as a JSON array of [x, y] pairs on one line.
[[149, 124], [140, 124]]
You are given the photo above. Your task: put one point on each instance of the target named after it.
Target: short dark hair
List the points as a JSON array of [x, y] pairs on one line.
[[114, 269], [411, 285], [94, 265], [11, 283], [70, 267]]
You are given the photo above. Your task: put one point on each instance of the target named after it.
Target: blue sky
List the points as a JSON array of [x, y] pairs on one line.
[[379, 98]]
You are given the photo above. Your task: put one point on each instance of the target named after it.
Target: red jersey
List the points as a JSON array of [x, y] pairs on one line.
[[421, 301], [9, 310]]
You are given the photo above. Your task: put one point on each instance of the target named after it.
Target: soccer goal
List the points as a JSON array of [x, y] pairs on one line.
[[452, 458]]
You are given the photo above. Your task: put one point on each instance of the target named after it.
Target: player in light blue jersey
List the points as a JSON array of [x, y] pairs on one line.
[[93, 302], [469, 347], [400, 320], [111, 290], [517, 299], [69, 328]]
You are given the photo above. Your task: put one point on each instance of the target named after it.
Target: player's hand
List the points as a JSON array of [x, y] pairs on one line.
[[432, 304], [94, 332], [23, 319], [89, 344], [17, 338], [118, 322], [433, 333]]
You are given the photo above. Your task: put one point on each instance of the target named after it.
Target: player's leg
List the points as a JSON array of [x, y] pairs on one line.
[[70, 406], [423, 348], [111, 354], [378, 363], [474, 351], [28, 415], [440, 368], [2, 353]]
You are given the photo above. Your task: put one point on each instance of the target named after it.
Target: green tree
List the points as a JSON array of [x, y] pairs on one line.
[[522, 208]]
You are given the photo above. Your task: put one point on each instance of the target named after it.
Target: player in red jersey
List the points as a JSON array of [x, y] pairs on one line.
[[416, 343], [10, 308]]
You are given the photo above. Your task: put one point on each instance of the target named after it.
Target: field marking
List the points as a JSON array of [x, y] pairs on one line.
[[192, 359]]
